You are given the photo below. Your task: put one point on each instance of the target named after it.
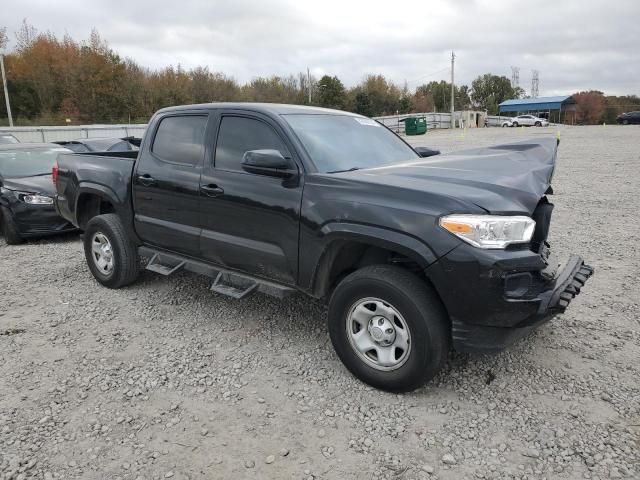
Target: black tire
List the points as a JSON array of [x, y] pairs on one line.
[[9, 230], [538, 124], [625, 122], [125, 266], [422, 311], [515, 124]]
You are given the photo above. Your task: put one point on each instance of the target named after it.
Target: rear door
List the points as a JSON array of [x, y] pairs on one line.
[[166, 182], [250, 222]]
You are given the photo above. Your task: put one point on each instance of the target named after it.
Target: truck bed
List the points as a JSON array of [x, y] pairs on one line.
[[106, 173]]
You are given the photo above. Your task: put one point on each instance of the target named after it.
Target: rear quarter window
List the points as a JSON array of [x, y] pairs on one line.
[[180, 139]]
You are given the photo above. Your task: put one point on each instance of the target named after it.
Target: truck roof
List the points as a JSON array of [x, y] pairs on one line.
[[268, 108]]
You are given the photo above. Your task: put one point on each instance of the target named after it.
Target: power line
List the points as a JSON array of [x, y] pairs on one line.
[[428, 75]]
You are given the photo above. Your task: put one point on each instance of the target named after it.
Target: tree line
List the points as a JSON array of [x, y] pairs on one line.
[[55, 80]]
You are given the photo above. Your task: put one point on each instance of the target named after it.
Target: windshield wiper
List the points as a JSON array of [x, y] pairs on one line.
[[352, 169]]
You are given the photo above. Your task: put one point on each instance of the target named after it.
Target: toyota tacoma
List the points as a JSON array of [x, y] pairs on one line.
[[413, 252]]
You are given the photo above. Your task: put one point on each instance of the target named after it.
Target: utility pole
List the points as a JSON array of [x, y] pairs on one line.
[[309, 84], [6, 92], [453, 121]]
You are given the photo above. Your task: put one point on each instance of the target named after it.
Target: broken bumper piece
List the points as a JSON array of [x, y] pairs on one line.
[[567, 284]]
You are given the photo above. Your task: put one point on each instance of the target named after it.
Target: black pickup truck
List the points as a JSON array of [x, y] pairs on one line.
[[413, 255]]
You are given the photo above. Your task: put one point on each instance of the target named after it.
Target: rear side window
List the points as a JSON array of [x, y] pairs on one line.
[[239, 135], [180, 139]]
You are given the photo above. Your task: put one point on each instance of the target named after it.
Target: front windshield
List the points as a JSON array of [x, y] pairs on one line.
[[343, 142], [27, 163]]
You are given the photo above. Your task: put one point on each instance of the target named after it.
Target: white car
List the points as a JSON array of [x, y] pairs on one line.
[[526, 121]]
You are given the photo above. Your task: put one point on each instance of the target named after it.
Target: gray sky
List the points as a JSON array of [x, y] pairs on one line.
[[575, 44]]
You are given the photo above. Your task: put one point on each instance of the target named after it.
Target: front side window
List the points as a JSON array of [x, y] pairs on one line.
[[239, 135], [180, 139]]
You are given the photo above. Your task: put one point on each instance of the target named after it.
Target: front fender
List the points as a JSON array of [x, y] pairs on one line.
[[318, 252], [401, 242]]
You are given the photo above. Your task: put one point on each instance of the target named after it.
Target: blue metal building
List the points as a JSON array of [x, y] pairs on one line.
[[556, 109]]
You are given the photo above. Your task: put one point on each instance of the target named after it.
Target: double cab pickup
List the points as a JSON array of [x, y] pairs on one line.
[[415, 252]]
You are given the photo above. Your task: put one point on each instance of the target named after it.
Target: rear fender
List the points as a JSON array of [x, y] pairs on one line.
[[120, 206]]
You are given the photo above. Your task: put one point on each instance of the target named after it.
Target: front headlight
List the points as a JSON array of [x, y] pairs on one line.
[[35, 199], [489, 231]]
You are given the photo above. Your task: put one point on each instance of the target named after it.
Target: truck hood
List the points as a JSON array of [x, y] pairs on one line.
[[506, 179], [42, 184]]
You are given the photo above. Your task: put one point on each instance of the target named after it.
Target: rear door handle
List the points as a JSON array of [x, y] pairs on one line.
[[211, 190], [146, 180]]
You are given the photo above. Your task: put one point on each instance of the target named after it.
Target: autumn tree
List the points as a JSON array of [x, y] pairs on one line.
[[590, 107]]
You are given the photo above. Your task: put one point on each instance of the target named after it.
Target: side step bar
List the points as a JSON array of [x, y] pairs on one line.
[[225, 282], [163, 266], [233, 286]]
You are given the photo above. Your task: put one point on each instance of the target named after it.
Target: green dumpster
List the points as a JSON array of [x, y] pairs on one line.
[[415, 125]]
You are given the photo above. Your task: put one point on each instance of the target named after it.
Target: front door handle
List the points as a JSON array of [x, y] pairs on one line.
[[146, 180], [211, 190]]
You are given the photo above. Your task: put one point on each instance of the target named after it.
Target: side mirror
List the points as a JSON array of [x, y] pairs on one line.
[[268, 162], [425, 152]]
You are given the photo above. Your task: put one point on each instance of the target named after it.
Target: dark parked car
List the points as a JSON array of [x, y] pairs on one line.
[[26, 192], [411, 254], [628, 118], [83, 145], [8, 139]]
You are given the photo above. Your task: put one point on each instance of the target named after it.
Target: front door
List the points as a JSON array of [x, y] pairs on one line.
[[250, 222], [166, 183]]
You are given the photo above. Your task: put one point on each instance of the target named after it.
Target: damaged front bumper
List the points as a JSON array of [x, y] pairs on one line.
[[503, 295], [488, 339]]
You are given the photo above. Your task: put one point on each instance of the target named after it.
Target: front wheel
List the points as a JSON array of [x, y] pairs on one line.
[[625, 122], [111, 255], [389, 327], [538, 124], [9, 229]]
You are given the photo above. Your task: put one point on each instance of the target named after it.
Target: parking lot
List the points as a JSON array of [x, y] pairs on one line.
[[164, 379]]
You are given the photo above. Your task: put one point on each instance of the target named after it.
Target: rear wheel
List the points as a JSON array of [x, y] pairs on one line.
[[515, 124], [389, 327], [9, 229], [111, 255]]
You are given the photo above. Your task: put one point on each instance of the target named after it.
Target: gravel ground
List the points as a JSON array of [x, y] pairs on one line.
[[165, 380]]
